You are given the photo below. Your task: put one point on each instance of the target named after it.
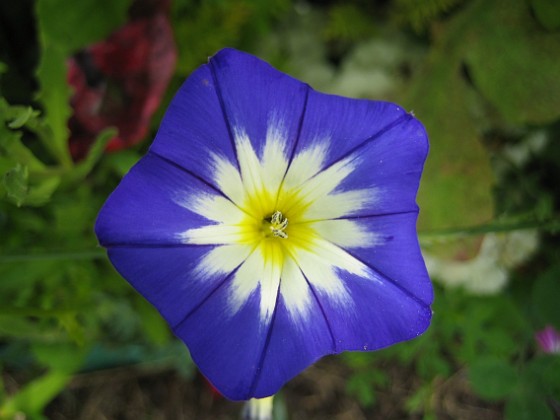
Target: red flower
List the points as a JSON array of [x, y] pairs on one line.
[[120, 81]]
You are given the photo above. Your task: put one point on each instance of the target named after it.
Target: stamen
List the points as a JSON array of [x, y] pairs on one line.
[[278, 225]]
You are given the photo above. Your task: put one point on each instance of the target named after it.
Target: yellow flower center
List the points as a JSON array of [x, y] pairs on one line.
[[281, 219]]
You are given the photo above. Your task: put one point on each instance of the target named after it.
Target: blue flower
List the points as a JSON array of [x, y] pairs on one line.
[[271, 224]]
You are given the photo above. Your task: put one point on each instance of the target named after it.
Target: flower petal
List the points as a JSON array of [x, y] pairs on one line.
[[384, 147], [244, 355], [391, 165], [293, 344], [348, 123], [227, 345], [258, 100], [380, 315], [396, 254], [171, 277], [235, 96], [155, 203], [193, 129]]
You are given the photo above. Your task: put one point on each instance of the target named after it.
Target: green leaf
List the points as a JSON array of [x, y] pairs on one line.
[[11, 146], [363, 384], [73, 25], [547, 13], [21, 191], [421, 400], [420, 13], [15, 182], [63, 28], [527, 406], [80, 171], [61, 357], [152, 322], [32, 398], [541, 375], [54, 95], [545, 297], [456, 187], [513, 62], [40, 193], [347, 22], [122, 161], [513, 66], [12, 326], [23, 116], [492, 378]]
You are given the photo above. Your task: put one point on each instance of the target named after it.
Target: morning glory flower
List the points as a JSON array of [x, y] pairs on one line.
[[272, 225]]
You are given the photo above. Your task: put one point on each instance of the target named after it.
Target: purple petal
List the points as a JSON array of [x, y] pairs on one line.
[[226, 346], [548, 339], [387, 145], [234, 93], [396, 255], [352, 123], [256, 97], [391, 164], [151, 205], [194, 127], [244, 357], [167, 277], [382, 314]]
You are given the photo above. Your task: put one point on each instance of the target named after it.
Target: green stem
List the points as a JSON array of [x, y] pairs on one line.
[[80, 255], [551, 225]]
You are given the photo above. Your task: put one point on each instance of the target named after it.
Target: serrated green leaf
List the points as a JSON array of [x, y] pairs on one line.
[[23, 116], [11, 147], [15, 182], [63, 28], [81, 170], [492, 378], [40, 193], [54, 95], [21, 191]]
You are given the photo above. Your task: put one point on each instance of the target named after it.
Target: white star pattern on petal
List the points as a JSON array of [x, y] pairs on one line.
[[281, 225]]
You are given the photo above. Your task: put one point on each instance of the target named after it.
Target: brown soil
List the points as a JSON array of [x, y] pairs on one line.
[[318, 393]]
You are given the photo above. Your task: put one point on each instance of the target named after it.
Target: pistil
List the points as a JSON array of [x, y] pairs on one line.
[[278, 224]]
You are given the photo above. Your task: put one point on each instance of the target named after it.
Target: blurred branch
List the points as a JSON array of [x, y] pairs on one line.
[[550, 225], [79, 255]]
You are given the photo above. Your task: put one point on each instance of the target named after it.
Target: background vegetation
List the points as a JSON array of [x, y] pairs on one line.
[[483, 77]]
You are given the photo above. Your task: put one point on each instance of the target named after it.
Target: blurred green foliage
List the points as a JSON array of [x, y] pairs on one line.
[[485, 79]]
